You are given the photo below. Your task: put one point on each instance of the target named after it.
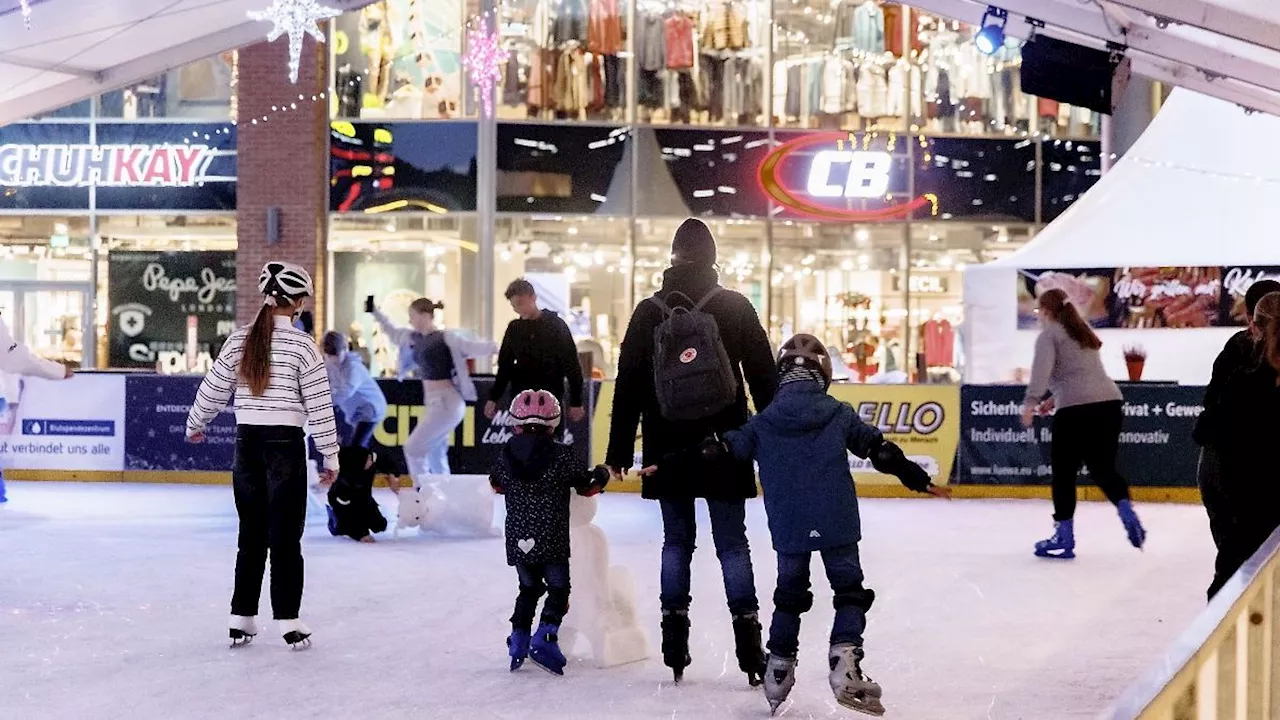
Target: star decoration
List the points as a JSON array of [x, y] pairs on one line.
[[484, 59], [26, 13], [294, 18]]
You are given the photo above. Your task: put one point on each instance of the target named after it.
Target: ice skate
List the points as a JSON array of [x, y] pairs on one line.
[[243, 630], [296, 634], [746, 638], [1132, 525], [779, 678], [544, 650], [518, 648], [675, 642], [1062, 546], [853, 689]]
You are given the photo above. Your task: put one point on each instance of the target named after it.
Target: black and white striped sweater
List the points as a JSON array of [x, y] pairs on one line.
[[297, 393]]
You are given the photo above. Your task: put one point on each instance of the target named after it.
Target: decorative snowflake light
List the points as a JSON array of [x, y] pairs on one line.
[[484, 59], [294, 18], [26, 13]]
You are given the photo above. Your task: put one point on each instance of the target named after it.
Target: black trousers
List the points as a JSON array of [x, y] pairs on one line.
[[537, 579], [1242, 539], [1086, 435], [270, 483], [362, 434]]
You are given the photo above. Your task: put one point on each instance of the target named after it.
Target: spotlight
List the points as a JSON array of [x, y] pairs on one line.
[[991, 37]]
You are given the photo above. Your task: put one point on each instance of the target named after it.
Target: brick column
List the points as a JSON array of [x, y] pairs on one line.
[[283, 163]]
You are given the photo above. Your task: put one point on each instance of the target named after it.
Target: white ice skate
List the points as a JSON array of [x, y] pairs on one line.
[[296, 634], [779, 678], [243, 630], [853, 689]]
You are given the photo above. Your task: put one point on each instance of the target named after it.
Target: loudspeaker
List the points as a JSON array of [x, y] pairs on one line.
[[273, 226], [1074, 74]]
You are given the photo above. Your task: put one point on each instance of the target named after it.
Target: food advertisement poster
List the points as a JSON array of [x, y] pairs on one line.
[[1140, 298]]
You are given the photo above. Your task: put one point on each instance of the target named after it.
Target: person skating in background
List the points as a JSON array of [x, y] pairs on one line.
[[1086, 424], [535, 475], [352, 510], [812, 506], [277, 375], [738, 356], [355, 393], [441, 358], [537, 353], [1239, 354], [1245, 433], [17, 361]]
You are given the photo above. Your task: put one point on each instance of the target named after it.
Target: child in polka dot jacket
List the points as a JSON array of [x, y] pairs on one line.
[[535, 474]]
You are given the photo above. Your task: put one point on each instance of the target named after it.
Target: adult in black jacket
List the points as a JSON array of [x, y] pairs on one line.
[[538, 353], [1239, 353], [1244, 434], [675, 485]]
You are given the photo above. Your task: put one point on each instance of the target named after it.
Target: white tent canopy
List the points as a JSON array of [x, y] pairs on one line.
[[1197, 189], [78, 48]]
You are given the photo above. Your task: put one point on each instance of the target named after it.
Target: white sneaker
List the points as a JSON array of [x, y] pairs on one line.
[[296, 634], [243, 629]]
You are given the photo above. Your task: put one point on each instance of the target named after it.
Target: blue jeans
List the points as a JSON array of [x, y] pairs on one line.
[[536, 579], [792, 598], [729, 531]]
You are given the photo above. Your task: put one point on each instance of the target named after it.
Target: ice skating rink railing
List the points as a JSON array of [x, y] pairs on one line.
[[1226, 665]]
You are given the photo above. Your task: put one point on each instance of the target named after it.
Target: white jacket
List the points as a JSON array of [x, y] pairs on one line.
[[16, 358]]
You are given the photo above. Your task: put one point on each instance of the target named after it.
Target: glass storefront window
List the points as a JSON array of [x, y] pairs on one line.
[[545, 168], [200, 90], [1067, 169], [45, 268], [401, 60], [397, 259], [580, 267]]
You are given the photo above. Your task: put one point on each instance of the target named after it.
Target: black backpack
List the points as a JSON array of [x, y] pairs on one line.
[[692, 374]]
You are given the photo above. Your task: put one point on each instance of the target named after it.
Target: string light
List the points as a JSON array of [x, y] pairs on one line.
[[294, 18], [484, 60], [26, 13]]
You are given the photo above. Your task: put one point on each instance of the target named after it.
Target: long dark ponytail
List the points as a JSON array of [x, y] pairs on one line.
[[1267, 318], [255, 363], [1055, 304]]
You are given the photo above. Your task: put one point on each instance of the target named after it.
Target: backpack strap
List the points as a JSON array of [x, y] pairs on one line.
[[667, 309], [714, 291]]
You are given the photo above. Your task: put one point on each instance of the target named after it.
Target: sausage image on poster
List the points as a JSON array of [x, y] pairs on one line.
[[157, 298]]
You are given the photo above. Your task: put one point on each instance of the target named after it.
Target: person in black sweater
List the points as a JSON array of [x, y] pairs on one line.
[[725, 485], [1239, 353], [538, 353], [535, 474], [1244, 433]]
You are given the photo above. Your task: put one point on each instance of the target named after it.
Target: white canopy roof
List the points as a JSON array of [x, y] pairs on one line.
[[1197, 189], [79, 48], [1228, 49]]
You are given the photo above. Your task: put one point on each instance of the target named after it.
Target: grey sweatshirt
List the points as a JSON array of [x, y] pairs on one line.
[[1072, 372]]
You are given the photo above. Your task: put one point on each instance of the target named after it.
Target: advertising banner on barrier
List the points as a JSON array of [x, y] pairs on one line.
[[75, 424], [1155, 443], [157, 418], [923, 419]]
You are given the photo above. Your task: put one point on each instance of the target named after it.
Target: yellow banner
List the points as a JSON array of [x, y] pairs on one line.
[[923, 419]]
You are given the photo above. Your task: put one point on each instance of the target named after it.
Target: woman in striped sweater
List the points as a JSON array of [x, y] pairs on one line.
[[278, 376]]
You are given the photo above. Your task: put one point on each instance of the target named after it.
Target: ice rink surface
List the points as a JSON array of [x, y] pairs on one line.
[[114, 602]]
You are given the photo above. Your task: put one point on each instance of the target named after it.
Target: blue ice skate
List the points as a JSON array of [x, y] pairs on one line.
[[1062, 546], [545, 650], [1132, 525], [518, 646], [3, 499]]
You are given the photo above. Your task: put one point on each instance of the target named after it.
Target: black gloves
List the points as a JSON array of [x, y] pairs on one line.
[[713, 448], [599, 479], [889, 459]]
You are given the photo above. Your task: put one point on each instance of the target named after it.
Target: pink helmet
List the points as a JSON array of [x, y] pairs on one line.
[[536, 407]]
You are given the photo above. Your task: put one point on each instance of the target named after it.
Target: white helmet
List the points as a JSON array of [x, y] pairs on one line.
[[284, 281]]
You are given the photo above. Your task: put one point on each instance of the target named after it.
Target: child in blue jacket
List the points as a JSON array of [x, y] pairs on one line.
[[801, 442]]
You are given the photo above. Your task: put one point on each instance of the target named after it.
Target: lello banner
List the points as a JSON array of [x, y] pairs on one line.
[[923, 419]]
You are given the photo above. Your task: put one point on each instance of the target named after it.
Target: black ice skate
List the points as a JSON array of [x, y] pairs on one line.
[[779, 678], [243, 630], [296, 634], [675, 641], [853, 689], [746, 637]]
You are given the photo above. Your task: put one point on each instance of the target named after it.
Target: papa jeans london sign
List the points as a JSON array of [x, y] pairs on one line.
[[834, 172], [83, 165]]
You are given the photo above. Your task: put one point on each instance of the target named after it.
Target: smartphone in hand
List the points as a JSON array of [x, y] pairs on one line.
[[368, 304]]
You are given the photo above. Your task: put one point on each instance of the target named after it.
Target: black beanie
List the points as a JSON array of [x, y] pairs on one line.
[[693, 244]]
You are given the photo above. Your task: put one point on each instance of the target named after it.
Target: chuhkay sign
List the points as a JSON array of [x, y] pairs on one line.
[[180, 166], [839, 176]]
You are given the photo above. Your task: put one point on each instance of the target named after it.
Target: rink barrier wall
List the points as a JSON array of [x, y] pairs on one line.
[[114, 428], [1227, 663]]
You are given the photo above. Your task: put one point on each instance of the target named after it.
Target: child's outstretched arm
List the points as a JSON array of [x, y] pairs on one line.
[[593, 481], [868, 442]]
